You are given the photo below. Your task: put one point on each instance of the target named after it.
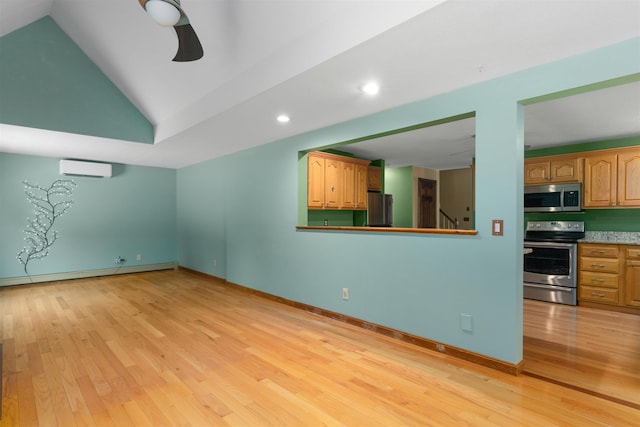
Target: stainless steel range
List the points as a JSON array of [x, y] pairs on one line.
[[551, 261]]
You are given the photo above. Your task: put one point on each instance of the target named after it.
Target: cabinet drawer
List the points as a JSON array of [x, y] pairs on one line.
[[605, 265], [604, 295], [602, 280], [600, 251], [633, 253]]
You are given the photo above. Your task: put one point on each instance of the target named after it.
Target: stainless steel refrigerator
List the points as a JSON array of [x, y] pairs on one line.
[[380, 210]]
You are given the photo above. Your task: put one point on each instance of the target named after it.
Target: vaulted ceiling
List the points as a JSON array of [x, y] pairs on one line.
[[305, 58]]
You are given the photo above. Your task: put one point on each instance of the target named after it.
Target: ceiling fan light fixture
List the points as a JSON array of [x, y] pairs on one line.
[[164, 13]]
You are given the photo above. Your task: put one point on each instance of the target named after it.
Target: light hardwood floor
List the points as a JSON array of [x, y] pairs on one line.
[[175, 349], [587, 348]]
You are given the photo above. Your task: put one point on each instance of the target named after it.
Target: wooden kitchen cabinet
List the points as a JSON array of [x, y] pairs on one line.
[[612, 179], [361, 183], [332, 182], [549, 170], [374, 178], [632, 276], [599, 273], [324, 185], [609, 276], [349, 188], [629, 178], [354, 194], [600, 181]]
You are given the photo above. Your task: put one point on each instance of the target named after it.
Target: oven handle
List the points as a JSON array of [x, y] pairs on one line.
[[552, 287], [548, 244]]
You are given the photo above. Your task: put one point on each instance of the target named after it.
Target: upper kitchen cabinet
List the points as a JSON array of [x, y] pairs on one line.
[[374, 178], [361, 184], [554, 169], [336, 182], [612, 179], [629, 178]]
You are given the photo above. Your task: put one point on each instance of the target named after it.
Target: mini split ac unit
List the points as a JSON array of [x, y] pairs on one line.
[[82, 168]]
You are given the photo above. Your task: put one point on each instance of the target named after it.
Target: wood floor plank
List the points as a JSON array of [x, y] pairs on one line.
[[584, 347], [175, 348]]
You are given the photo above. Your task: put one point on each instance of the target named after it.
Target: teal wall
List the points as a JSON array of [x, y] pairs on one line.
[[420, 284], [48, 82], [594, 219], [134, 212], [399, 183]]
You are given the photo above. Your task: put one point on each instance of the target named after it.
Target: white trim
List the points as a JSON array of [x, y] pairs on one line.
[[88, 273]]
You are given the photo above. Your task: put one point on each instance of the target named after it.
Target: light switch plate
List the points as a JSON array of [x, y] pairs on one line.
[[497, 228]]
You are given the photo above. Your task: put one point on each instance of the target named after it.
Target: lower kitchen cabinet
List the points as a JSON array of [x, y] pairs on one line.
[[599, 273], [632, 276], [609, 276]]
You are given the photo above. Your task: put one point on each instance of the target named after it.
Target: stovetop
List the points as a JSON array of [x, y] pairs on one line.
[[554, 231]]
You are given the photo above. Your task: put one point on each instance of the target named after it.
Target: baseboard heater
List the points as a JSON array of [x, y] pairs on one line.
[[55, 277], [84, 168]]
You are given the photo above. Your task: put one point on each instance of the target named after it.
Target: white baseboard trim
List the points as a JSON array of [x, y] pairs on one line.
[[88, 273]]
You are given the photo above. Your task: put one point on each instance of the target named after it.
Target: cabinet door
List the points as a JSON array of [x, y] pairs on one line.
[[600, 181], [361, 182], [315, 184], [536, 172], [632, 284], [374, 178], [349, 186], [568, 170], [629, 178], [332, 184], [632, 276]]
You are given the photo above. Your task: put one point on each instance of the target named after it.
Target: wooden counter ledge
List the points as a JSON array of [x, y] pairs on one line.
[[391, 230]]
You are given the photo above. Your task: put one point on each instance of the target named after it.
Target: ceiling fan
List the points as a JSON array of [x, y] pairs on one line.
[[169, 13]]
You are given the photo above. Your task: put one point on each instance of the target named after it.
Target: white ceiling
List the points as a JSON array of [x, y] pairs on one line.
[[592, 116], [307, 58]]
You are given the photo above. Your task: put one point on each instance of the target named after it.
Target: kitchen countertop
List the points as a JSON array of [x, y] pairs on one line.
[[612, 237]]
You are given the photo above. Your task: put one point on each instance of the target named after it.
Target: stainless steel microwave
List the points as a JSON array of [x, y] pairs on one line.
[[553, 198]]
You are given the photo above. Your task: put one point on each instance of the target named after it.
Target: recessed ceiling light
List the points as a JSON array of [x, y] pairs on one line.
[[283, 118], [371, 88]]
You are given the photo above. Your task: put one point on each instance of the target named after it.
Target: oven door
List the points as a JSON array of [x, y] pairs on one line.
[[550, 263]]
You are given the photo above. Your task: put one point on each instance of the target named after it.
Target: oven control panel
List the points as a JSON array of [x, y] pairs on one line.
[[576, 226]]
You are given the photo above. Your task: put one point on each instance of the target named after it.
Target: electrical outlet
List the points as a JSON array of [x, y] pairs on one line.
[[139, 257], [119, 260], [345, 294], [214, 262]]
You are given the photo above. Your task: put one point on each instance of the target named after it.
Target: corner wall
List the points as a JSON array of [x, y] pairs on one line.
[[132, 213]]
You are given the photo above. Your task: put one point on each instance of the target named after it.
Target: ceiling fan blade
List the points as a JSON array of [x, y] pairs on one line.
[[189, 47], [170, 13]]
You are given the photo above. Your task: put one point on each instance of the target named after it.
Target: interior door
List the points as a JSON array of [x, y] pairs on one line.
[[427, 200]]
